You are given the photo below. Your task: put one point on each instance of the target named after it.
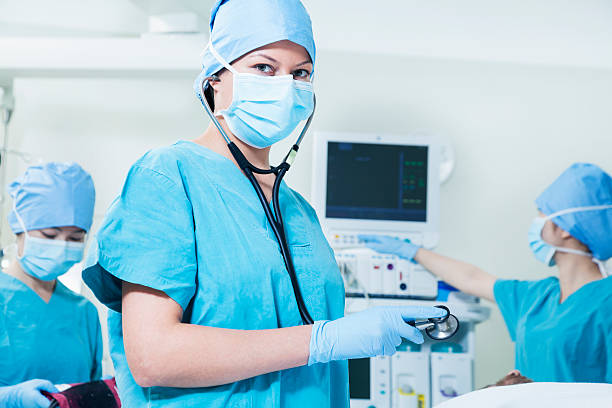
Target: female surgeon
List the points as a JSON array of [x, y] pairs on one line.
[[48, 334], [561, 326], [204, 310]]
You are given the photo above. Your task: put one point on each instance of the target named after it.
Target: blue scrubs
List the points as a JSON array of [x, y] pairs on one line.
[[567, 342], [189, 223], [59, 341]]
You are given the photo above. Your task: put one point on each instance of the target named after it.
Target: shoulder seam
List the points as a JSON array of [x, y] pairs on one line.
[[138, 166]]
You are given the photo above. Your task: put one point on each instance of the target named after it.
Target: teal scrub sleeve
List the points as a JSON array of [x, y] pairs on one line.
[[510, 296], [147, 238], [98, 348]]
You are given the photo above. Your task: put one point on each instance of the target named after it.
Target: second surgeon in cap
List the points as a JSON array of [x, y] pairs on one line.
[[561, 326], [48, 334]]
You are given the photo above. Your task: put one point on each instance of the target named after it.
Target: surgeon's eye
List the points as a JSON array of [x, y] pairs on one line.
[[302, 74], [264, 68], [49, 235]]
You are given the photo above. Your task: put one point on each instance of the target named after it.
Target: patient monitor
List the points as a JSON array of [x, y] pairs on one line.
[[379, 184]]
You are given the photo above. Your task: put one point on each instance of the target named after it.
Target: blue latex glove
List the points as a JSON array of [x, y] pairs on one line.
[[372, 332], [26, 394], [389, 245]]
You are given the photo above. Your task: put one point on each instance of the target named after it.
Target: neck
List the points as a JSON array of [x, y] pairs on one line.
[[575, 271], [213, 140], [44, 289]]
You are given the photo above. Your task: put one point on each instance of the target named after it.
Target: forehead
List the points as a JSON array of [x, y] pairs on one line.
[[67, 229], [284, 49]]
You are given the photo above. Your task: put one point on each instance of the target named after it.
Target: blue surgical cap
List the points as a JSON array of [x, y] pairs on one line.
[[582, 185], [238, 27], [52, 195]]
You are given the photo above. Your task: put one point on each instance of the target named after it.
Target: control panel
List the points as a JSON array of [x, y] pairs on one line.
[[448, 376], [350, 239], [370, 382], [409, 379], [367, 274]]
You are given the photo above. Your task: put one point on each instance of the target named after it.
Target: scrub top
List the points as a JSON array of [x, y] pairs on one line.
[[189, 223], [559, 342], [59, 341]]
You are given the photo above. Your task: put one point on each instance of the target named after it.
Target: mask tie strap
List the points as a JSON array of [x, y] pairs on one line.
[[600, 264], [573, 251], [219, 58], [25, 238], [602, 267], [579, 209]]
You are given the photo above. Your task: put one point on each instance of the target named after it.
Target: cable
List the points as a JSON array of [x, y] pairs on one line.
[[275, 220]]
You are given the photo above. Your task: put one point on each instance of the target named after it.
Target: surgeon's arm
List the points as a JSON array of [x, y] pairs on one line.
[[162, 351], [464, 276]]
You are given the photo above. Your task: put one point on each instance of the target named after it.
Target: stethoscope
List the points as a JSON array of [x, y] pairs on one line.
[[275, 219], [436, 328], [439, 328]]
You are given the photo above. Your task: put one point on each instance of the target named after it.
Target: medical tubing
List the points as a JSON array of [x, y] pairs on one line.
[[306, 318], [210, 112], [307, 125], [276, 223], [244, 164], [280, 237]]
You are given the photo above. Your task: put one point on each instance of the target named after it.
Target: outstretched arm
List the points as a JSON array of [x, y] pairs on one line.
[[466, 277]]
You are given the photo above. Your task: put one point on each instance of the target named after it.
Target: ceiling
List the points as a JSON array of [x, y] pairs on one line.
[[557, 32]]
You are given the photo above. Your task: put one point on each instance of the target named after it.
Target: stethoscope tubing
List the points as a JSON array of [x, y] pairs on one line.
[[275, 220]]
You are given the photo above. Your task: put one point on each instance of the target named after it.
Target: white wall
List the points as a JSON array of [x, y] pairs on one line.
[[514, 129]]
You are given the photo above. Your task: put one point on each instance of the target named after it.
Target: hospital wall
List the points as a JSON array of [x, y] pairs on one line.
[[513, 128]]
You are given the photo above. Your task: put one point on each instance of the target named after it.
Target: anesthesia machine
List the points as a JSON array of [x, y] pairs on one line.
[[389, 184]]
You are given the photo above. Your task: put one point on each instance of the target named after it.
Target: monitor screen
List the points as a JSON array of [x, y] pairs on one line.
[[376, 181], [359, 378]]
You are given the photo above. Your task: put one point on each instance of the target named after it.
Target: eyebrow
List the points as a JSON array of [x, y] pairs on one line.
[[58, 229], [305, 62], [261, 54]]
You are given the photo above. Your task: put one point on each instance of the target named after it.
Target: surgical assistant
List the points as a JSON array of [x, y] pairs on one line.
[[204, 312], [561, 326], [48, 334]]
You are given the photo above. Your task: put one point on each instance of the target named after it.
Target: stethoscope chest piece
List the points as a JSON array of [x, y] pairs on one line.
[[440, 328]]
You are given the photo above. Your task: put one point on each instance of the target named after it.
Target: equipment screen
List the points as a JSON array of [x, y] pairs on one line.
[[376, 181], [359, 378]]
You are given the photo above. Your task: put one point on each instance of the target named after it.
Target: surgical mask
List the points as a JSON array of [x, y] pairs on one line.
[[544, 252], [265, 109], [47, 259]]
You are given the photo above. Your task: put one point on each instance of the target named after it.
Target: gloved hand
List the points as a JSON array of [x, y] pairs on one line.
[[372, 332], [389, 245], [26, 394]]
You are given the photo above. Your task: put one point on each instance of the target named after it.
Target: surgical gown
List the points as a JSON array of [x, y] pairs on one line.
[[559, 342], [189, 223], [59, 341]]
